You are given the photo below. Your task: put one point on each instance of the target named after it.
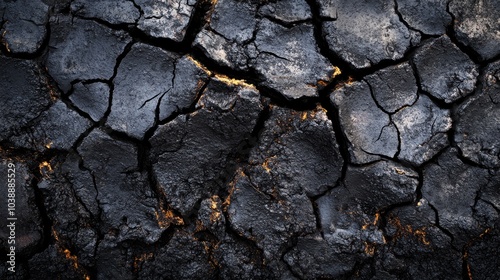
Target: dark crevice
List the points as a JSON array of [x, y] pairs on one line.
[[420, 184], [322, 44], [450, 31], [466, 274], [315, 208], [272, 54], [213, 66], [375, 99], [300, 104], [241, 156], [121, 136], [376, 155], [334, 116], [161, 94], [139, 8], [196, 23], [328, 188], [181, 111], [82, 136], [469, 162], [490, 204], [403, 21], [111, 83], [440, 103], [444, 230], [65, 99], [396, 155], [348, 72], [198, 19], [277, 98], [287, 24], [241, 239]]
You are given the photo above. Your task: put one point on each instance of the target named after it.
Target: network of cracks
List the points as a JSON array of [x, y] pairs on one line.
[[231, 139]]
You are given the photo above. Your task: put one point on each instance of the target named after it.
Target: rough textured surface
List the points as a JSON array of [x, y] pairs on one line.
[[365, 33], [417, 246], [25, 93], [57, 128], [165, 19], [24, 29], [91, 98], [427, 16], [394, 87], [71, 202], [369, 130], [128, 206], [288, 11], [297, 149], [203, 143], [349, 216], [450, 179], [184, 258], [444, 71], [189, 79], [270, 221], [477, 130], [82, 50], [114, 12], [486, 245], [143, 77], [229, 139], [422, 129], [294, 68], [476, 26], [293, 65]]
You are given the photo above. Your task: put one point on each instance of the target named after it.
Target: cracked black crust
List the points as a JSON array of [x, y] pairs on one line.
[[297, 139]]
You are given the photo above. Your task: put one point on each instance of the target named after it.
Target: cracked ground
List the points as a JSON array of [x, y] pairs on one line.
[[256, 139]]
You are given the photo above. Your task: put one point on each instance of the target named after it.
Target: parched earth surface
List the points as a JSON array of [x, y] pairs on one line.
[[256, 139]]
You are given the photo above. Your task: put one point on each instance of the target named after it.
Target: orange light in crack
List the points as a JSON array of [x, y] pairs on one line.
[[419, 233], [304, 116], [55, 234], [265, 164], [233, 82], [377, 218], [215, 215], [369, 248], [45, 168], [48, 145], [72, 258], [336, 71], [199, 65], [167, 217]]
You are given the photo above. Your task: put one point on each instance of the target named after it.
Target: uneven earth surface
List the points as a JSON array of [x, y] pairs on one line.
[[251, 139]]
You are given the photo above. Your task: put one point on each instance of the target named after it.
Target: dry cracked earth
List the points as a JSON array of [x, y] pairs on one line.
[[231, 139]]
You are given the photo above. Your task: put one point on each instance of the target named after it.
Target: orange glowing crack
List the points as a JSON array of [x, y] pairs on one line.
[[48, 145], [199, 65], [420, 233], [233, 82], [215, 215], [167, 217], [336, 71]]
